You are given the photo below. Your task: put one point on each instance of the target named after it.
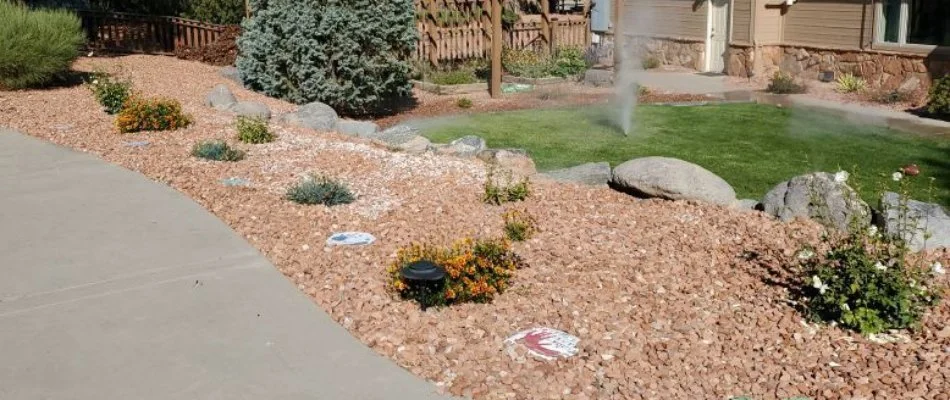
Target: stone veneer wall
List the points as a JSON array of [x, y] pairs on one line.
[[679, 52], [885, 70]]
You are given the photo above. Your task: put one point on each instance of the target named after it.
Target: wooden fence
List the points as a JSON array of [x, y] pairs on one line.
[[133, 33], [468, 39]]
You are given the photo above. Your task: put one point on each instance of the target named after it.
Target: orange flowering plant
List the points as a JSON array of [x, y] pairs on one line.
[[157, 114], [476, 271]]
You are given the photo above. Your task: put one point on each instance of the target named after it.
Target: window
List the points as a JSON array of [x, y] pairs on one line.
[[920, 22]]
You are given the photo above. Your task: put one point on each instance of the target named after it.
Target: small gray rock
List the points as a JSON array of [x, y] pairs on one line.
[[356, 128], [818, 196], [220, 98], [924, 226], [316, 116], [236, 181], [515, 161], [251, 109], [672, 179], [467, 146], [137, 143], [589, 174], [599, 78], [231, 73]]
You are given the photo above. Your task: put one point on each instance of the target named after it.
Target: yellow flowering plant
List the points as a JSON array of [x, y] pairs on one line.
[[476, 270]]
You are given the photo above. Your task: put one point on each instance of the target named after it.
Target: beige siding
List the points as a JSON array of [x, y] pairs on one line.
[[768, 23], [824, 23], [680, 19], [741, 21]]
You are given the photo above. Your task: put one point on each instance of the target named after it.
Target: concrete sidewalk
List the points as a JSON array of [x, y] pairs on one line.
[[116, 287]]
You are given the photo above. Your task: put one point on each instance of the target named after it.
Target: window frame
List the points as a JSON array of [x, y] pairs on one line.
[[901, 44]]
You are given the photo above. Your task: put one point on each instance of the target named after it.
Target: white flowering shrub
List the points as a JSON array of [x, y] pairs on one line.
[[867, 281]]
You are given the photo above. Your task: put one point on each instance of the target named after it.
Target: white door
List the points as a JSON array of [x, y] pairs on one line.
[[717, 40]]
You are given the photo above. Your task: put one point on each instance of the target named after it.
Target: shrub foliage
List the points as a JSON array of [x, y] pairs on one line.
[[156, 114], [528, 63], [519, 225], [36, 46], [253, 130], [110, 92], [783, 83], [499, 191], [939, 99], [320, 190], [349, 54], [216, 150], [850, 83], [476, 271], [226, 12]]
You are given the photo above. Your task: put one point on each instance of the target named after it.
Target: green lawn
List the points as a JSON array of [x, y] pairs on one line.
[[751, 146]]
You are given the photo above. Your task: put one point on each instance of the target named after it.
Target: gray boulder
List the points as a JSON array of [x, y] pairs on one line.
[[220, 98], [924, 226], [820, 197], [468, 146], [356, 128], [231, 73], [251, 109], [589, 174], [599, 77], [316, 116], [515, 161], [405, 138], [672, 179]]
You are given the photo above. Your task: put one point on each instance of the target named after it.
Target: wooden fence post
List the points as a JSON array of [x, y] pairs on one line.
[[546, 29], [496, 41], [486, 26]]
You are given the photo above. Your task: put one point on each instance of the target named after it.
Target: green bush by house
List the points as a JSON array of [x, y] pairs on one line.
[[36, 46], [350, 54]]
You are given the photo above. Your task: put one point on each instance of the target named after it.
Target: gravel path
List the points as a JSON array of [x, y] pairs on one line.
[[670, 300]]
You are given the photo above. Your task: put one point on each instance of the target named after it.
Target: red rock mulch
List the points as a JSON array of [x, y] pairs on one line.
[[671, 300]]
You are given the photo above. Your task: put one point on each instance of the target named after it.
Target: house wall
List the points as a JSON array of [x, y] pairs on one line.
[[768, 23], [674, 31], [826, 23], [741, 22]]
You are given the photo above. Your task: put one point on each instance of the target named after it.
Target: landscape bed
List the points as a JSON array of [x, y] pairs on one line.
[[752, 146], [669, 299]]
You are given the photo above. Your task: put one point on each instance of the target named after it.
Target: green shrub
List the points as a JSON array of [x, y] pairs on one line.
[[850, 83], [476, 271], [253, 130], [650, 62], [216, 150], [939, 97], [783, 83], [110, 92], [454, 77], [867, 281], [158, 114], [226, 12], [320, 190], [464, 102], [519, 226], [350, 54], [499, 191], [36, 46], [528, 63], [568, 61]]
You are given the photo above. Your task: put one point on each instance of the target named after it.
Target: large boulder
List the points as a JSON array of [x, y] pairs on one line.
[[251, 109], [672, 179], [220, 98], [820, 197], [316, 116], [589, 174], [356, 128], [515, 161], [404, 138], [466, 146], [923, 226]]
